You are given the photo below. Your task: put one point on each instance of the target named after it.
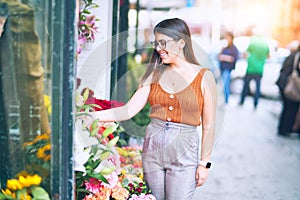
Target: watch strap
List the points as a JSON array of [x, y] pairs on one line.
[[205, 164]]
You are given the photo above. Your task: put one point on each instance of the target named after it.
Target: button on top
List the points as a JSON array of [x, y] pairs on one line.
[[169, 119], [171, 96], [171, 108]]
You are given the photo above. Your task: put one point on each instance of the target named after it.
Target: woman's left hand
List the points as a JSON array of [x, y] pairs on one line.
[[201, 175]]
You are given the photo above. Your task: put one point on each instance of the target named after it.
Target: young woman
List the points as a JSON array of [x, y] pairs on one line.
[[182, 95]]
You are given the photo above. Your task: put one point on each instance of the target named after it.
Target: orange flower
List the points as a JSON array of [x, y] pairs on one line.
[[45, 136], [44, 153], [120, 193]]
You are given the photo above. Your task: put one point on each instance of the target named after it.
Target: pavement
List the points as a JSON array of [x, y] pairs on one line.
[[250, 161]]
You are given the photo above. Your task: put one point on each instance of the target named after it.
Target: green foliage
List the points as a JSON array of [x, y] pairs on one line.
[[39, 193]]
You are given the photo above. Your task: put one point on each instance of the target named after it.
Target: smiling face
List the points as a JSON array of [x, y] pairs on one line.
[[168, 48]]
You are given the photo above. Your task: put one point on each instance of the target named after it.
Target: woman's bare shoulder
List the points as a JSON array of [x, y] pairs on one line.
[[148, 80], [198, 68]]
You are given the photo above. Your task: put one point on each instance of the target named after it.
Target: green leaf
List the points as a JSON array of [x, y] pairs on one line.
[[39, 193], [94, 132], [88, 171], [81, 190], [79, 177], [107, 170], [94, 124], [95, 164], [120, 129], [86, 12], [21, 194], [110, 130], [93, 105], [113, 142], [87, 107], [5, 197], [79, 182], [79, 100], [100, 177], [86, 94], [94, 149], [121, 142]]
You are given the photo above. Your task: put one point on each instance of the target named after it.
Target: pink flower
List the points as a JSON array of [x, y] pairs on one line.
[[142, 197], [93, 185], [115, 160], [112, 178]]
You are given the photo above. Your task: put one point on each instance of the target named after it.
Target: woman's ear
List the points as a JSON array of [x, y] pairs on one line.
[[182, 43]]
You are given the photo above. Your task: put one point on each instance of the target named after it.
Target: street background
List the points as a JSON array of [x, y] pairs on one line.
[[250, 161]]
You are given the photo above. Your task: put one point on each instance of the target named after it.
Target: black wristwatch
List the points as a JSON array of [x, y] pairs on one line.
[[205, 164]]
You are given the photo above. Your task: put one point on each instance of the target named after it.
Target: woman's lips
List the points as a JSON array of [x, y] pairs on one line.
[[163, 54]]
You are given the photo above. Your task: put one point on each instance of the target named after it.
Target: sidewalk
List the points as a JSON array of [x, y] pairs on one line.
[[250, 161]]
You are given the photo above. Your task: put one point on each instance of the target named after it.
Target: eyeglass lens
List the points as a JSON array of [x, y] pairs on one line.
[[160, 43]]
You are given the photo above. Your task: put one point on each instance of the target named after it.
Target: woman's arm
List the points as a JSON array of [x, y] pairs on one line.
[[129, 110], [209, 91]]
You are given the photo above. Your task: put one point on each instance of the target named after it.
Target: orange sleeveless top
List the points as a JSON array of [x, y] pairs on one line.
[[184, 106]]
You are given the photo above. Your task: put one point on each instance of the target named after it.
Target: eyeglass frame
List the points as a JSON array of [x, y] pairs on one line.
[[159, 43]]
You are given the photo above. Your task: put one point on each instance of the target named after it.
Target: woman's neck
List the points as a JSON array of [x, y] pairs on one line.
[[180, 63]]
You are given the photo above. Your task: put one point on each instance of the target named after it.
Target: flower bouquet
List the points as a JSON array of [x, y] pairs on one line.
[[97, 163], [103, 170]]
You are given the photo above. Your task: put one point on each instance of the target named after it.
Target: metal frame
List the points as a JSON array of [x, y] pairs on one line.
[[63, 90], [119, 49]]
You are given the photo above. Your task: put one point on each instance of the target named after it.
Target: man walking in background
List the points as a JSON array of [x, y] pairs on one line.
[[227, 59], [257, 53]]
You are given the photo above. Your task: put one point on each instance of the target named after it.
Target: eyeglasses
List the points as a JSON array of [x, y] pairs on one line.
[[161, 43]]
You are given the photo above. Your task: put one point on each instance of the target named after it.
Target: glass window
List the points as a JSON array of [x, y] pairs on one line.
[[25, 90]]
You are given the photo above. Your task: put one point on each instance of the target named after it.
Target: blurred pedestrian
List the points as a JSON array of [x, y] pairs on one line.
[[288, 121], [227, 59], [257, 54], [182, 95]]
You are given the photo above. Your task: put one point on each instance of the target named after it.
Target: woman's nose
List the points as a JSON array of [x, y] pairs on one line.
[[157, 48]]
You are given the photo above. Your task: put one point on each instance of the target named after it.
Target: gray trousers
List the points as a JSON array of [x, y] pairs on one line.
[[170, 159]]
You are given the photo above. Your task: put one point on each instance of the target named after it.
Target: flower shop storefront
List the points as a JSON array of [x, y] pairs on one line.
[[46, 152]]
